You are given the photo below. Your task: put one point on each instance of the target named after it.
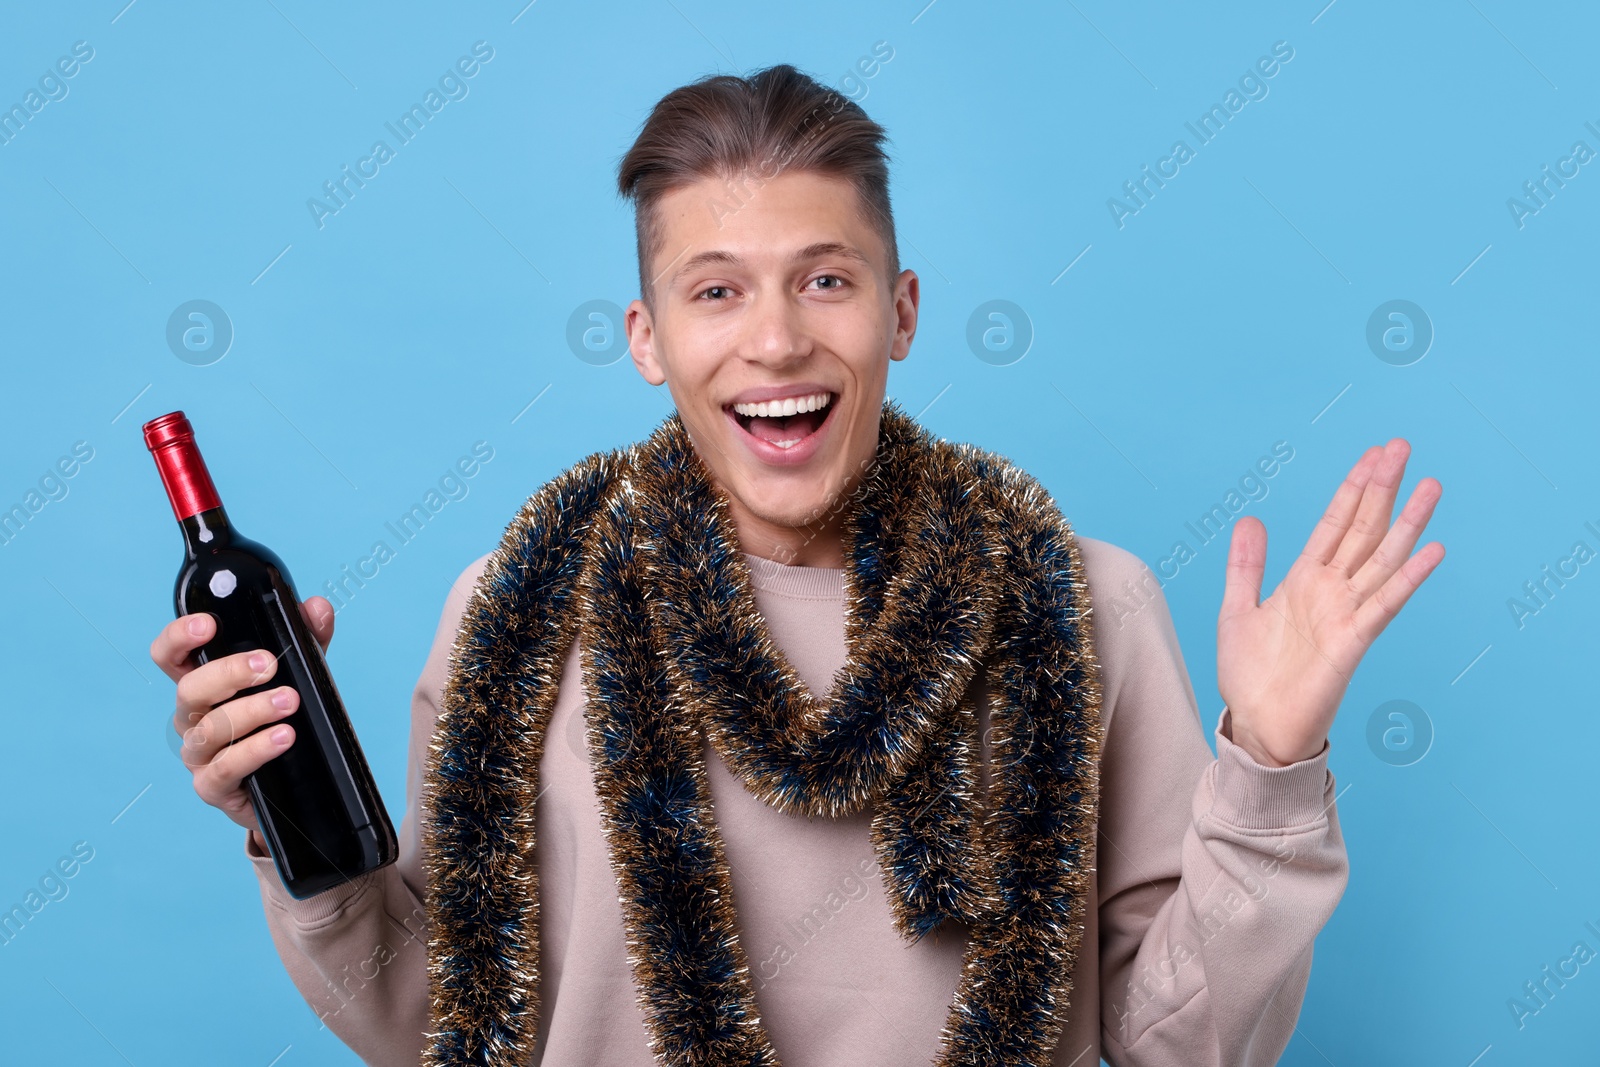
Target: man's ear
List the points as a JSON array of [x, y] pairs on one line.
[[641, 342], [906, 299]]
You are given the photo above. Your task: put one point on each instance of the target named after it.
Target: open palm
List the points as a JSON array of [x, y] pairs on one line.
[[1283, 663]]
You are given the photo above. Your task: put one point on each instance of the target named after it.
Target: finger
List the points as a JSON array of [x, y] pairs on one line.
[[206, 686], [1377, 505], [233, 721], [1324, 540], [1397, 543], [1376, 612], [221, 778], [1247, 561], [173, 648], [318, 614]]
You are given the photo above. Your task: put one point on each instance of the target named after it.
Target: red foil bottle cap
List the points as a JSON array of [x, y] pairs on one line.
[[170, 440]]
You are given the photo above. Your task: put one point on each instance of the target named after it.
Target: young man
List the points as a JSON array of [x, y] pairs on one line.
[[776, 736]]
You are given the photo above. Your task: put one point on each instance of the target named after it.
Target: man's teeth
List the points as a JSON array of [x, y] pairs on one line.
[[788, 406]]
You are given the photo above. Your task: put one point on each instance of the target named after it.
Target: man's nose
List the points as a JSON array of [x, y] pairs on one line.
[[775, 329]]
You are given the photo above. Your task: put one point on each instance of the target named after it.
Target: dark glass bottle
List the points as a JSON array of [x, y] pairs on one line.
[[316, 802]]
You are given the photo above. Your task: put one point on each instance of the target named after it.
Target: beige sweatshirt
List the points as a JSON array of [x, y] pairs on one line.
[[1213, 878]]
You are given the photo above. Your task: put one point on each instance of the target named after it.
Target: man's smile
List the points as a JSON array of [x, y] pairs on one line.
[[783, 425]]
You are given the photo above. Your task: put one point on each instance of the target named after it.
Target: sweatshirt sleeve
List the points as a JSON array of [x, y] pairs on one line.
[[358, 952], [1214, 875]]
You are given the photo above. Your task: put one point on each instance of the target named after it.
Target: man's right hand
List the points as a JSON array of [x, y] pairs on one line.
[[221, 744]]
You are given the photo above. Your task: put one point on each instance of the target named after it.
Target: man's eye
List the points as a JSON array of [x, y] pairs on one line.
[[716, 291], [834, 278]]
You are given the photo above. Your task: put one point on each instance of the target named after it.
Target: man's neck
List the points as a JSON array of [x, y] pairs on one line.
[[803, 546]]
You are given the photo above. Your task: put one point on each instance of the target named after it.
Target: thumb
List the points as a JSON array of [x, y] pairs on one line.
[[1247, 562], [318, 614]]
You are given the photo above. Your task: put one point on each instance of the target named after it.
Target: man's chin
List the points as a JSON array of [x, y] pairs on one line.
[[792, 506], [807, 519]]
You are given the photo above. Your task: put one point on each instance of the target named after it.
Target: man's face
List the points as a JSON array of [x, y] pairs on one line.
[[775, 293]]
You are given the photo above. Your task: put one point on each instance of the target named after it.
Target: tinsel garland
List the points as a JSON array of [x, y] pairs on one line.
[[956, 561]]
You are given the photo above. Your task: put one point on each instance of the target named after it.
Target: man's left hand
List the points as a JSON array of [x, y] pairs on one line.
[[1283, 663]]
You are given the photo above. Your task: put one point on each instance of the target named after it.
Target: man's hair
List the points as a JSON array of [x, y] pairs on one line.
[[775, 120]]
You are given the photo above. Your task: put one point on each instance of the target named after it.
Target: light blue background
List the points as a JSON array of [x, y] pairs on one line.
[[1228, 314]]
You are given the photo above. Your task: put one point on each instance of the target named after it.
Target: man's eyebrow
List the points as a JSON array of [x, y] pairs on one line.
[[810, 251], [702, 259], [831, 248]]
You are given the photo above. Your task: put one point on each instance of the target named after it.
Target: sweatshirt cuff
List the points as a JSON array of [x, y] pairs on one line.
[[1253, 796], [311, 911]]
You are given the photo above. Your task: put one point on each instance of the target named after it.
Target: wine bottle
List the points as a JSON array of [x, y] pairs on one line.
[[316, 802]]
